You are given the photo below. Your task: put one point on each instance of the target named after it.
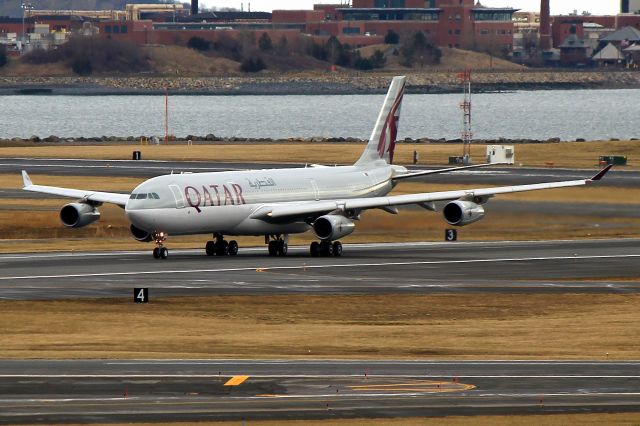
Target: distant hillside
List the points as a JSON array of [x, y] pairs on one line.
[[12, 7]]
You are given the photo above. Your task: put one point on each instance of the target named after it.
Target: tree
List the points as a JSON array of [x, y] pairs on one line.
[[418, 46], [378, 60], [198, 43], [253, 65], [392, 37], [264, 43], [283, 48], [3, 56]]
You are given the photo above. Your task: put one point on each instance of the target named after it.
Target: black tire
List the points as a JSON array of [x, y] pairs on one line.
[[210, 248], [164, 253], [273, 248], [233, 248], [326, 249], [156, 253], [223, 248], [283, 248], [337, 249], [314, 249]]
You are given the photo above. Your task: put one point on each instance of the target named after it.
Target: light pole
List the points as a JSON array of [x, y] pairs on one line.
[[24, 6]]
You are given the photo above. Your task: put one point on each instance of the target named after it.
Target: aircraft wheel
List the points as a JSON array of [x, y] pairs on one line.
[[210, 248], [314, 249], [233, 247], [156, 253], [164, 253], [337, 249], [223, 248], [283, 248], [326, 249], [273, 248]]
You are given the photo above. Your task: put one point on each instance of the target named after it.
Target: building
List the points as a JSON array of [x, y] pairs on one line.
[[630, 6], [447, 23]]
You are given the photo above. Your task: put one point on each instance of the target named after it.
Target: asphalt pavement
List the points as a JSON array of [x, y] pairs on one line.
[[86, 391]]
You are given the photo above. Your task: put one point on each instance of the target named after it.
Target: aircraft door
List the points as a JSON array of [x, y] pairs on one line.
[[314, 186], [177, 194]]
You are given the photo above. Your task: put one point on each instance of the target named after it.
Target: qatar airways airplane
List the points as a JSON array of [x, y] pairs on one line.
[[277, 202]]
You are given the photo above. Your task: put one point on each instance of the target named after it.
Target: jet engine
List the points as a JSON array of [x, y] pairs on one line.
[[77, 215], [332, 227], [460, 213], [140, 235]]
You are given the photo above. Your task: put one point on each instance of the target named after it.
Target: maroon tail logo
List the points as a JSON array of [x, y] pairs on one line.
[[390, 130]]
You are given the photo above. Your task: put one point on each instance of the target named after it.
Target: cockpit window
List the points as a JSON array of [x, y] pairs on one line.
[[150, 196]]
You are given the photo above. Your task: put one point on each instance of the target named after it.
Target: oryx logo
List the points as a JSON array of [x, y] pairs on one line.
[[387, 142]]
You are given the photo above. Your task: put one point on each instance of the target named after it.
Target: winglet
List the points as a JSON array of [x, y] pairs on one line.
[[25, 179], [601, 173]]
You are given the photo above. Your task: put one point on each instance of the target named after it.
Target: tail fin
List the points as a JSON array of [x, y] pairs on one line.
[[383, 139]]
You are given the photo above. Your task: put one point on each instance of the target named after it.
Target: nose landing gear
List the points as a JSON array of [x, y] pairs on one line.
[[160, 252]]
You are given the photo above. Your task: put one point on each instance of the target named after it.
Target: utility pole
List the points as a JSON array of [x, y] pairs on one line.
[[166, 115], [465, 106], [24, 6]]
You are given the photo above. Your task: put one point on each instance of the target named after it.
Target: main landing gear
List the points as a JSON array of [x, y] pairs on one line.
[[221, 247], [160, 252], [326, 248], [278, 245]]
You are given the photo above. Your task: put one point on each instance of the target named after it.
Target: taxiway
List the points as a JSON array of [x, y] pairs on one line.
[[137, 390]]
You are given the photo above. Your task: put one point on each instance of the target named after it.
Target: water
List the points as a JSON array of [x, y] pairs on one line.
[[568, 114]]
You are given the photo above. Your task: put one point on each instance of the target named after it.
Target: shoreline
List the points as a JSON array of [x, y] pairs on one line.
[[439, 82]]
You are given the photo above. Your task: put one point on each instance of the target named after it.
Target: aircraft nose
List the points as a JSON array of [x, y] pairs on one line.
[[139, 218]]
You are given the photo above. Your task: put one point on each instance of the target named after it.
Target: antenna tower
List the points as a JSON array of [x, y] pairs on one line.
[[465, 106]]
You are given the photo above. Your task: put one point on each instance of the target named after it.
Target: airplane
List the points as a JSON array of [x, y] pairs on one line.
[[275, 203]]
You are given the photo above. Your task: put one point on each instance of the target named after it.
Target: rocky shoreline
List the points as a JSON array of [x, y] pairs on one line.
[[213, 139], [318, 83]]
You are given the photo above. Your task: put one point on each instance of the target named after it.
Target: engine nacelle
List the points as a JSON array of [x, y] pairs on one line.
[[460, 213], [77, 215], [140, 235], [332, 227]]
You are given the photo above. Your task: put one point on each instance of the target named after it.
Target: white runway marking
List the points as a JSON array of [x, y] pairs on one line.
[[318, 267]]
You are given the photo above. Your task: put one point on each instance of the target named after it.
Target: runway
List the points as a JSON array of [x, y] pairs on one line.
[[551, 266], [498, 175], [122, 391]]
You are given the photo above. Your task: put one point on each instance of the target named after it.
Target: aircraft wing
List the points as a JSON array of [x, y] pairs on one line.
[[416, 173], [99, 197], [326, 206]]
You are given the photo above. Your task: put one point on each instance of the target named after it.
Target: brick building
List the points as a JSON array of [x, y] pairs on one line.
[[447, 23]]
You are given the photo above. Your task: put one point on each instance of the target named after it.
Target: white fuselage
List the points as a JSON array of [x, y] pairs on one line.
[[223, 202]]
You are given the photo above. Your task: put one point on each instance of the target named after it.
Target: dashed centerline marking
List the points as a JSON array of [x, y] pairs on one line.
[[338, 265]]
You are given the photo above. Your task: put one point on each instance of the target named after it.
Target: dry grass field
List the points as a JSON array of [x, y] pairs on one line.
[[461, 326], [566, 154]]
